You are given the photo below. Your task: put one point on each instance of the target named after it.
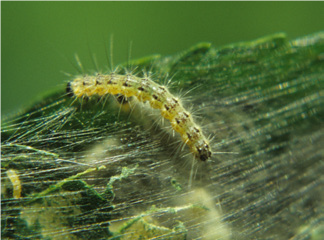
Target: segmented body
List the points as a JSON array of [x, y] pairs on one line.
[[159, 97]]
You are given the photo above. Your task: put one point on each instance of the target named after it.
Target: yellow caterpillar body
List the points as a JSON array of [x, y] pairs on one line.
[[144, 89]]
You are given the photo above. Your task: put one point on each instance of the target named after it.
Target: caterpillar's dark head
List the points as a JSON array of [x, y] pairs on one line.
[[203, 151], [69, 91]]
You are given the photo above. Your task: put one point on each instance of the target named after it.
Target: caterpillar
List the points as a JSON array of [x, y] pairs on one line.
[[16, 185], [145, 89]]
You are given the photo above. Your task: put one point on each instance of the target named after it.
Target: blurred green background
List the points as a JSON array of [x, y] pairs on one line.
[[39, 39]]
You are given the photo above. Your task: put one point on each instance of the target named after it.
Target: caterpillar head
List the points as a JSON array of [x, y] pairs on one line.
[[69, 90], [202, 150]]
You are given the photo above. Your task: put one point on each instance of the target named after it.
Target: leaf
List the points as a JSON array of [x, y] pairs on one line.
[[260, 101]]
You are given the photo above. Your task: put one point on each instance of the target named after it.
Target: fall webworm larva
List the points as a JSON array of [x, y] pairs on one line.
[[16, 185], [144, 89]]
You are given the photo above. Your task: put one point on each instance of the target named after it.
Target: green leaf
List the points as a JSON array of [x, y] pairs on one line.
[[262, 104]]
